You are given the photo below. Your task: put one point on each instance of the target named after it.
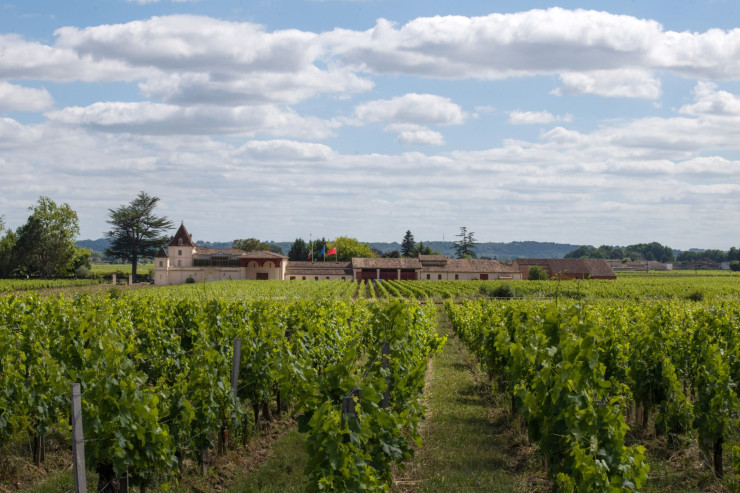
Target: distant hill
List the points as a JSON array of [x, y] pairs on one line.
[[95, 245], [500, 251]]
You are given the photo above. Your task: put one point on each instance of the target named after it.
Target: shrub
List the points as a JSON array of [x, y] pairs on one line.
[[82, 272], [695, 296], [497, 291], [189, 280], [537, 273], [735, 265]]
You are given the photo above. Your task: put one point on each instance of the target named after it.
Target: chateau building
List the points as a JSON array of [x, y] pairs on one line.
[[183, 260]]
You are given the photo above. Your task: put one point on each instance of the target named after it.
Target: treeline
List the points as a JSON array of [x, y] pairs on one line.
[[44, 246], [641, 251], [653, 251]]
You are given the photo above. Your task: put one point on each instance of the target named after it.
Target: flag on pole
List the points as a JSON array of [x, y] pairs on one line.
[[322, 252], [333, 251], [309, 255]]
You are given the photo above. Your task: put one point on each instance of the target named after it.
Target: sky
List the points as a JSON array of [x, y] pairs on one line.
[[584, 122]]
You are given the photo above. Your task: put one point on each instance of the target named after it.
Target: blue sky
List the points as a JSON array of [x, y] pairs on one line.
[[594, 122]]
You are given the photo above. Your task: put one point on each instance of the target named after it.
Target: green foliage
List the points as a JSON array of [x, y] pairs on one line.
[[6, 252], [347, 248], [695, 296], [421, 249], [504, 290], [189, 280], [408, 244], [251, 245], [44, 245], [136, 231], [537, 273], [642, 251], [735, 265], [465, 246], [298, 251]]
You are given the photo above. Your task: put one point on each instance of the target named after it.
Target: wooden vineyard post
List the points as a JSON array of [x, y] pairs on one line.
[[78, 441], [348, 409], [386, 350], [123, 483], [235, 359]]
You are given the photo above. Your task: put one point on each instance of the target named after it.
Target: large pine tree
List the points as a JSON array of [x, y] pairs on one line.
[[407, 245], [136, 232]]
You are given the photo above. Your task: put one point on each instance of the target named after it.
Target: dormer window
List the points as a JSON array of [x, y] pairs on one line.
[[179, 242]]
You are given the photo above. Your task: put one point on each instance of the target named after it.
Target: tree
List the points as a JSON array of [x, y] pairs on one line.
[[420, 249], [407, 245], [393, 254], [465, 247], [137, 231], [298, 250], [735, 265], [6, 251], [347, 248], [45, 244], [537, 273], [251, 245]]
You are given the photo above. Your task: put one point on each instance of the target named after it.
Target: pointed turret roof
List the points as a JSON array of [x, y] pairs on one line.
[[182, 234], [161, 253]]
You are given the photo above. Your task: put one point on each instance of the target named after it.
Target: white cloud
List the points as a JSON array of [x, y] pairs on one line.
[[31, 60], [420, 137], [593, 52], [201, 59], [711, 102], [623, 83], [286, 150], [163, 119], [422, 109], [19, 98], [536, 118]]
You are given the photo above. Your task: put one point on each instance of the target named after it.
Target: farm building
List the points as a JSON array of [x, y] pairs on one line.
[[567, 268], [183, 260]]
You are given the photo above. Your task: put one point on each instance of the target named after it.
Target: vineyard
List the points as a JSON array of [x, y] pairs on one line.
[[180, 375], [156, 385], [582, 375]]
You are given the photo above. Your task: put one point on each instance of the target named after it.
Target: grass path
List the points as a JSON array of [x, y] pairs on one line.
[[470, 442]]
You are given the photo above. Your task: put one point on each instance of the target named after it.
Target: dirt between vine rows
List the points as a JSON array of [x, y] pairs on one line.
[[19, 473]]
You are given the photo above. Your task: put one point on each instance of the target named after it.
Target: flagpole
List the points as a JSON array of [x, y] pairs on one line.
[[310, 241]]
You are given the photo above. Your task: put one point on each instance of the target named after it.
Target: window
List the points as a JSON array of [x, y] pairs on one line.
[[429, 276], [457, 277], [160, 263], [179, 263], [179, 252], [316, 278], [327, 277], [343, 278], [292, 278], [304, 278], [179, 242], [439, 277]]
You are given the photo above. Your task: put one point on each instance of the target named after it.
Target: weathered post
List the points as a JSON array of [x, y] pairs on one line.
[[348, 409], [78, 441], [386, 350]]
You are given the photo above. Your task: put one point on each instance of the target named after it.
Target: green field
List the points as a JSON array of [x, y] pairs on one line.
[[646, 371]]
